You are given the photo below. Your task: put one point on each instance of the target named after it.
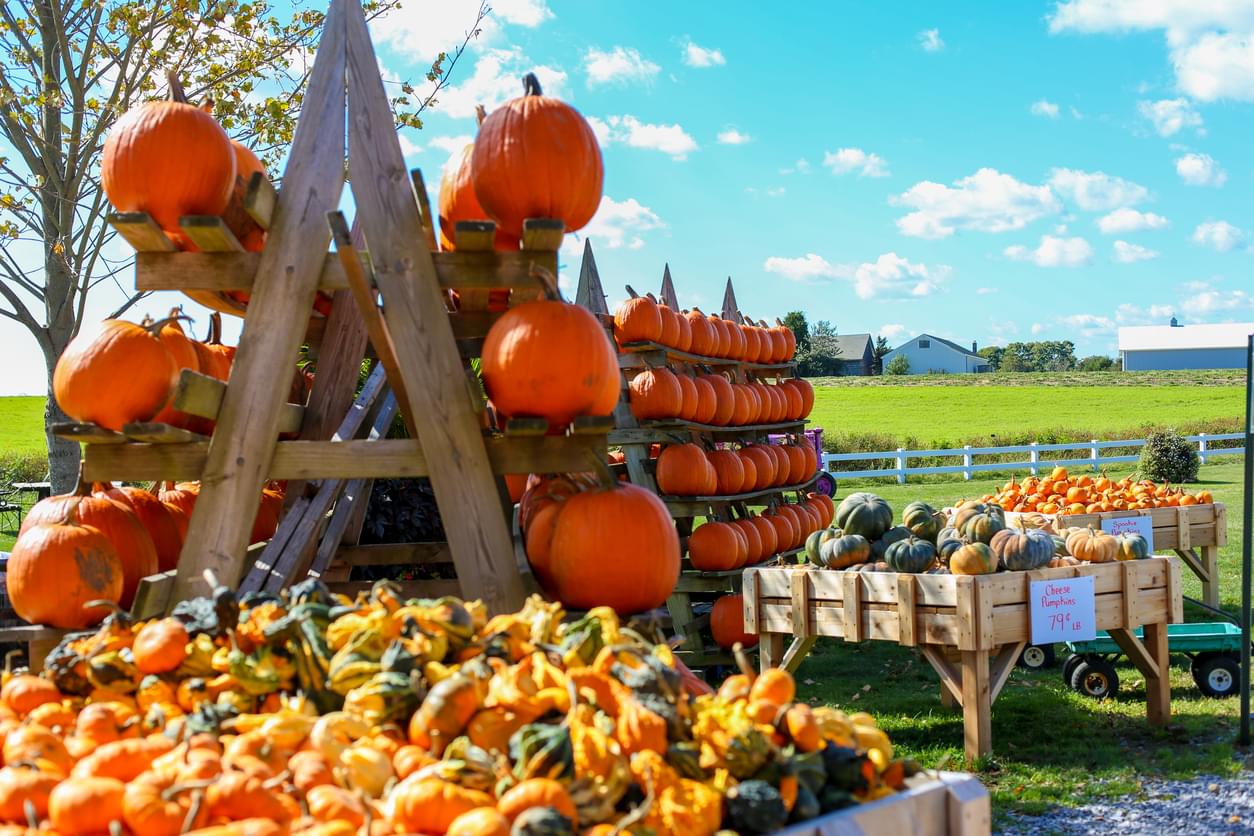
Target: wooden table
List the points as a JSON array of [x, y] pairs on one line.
[[971, 629], [42, 489]]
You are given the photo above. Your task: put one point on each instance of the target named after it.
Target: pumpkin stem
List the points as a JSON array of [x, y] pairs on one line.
[[481, 113], [115, 827], [742, 661], [177, 93], [32, 815], [193, 812], [551, 290], [154, 327], [531, 85], [632, 293]]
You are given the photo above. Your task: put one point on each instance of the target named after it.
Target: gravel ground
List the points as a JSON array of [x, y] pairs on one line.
[[1204, 805]]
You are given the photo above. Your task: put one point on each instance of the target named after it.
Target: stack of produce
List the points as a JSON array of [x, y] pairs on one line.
[[716, 546], [98, 542], [691, 470], [660, 394], [644, 319], [316, 714], [1062, 493], [974, 540]]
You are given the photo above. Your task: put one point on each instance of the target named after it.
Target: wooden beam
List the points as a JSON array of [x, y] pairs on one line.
[[977, 721], [951, 680], [210, 233], [797, 652], [1136, 652], [461, 473], [242, 450], [425, 217], [201, 395], [260, 198], [141, 232], [1005, 662]]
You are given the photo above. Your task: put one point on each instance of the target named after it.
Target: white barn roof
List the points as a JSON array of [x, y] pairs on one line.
[[1157, 337]]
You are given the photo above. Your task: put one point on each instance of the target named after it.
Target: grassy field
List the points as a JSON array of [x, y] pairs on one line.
[[1050, 744], [1190, 378], [22, 425]]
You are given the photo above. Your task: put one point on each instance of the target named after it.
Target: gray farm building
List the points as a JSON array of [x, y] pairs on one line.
[[1175, 346]]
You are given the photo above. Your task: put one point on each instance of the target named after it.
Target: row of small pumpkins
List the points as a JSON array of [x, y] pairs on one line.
[[96, 543], [644, 319], [659, 394], [691, 470], [973, 541], [1061, 493], [717, 546]]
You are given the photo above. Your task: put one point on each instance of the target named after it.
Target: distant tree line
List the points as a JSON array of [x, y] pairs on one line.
[[818, 353]]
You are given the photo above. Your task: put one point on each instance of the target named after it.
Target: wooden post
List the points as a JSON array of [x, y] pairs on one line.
[[977, 721], [240, 453], [431, 368], [771, 650], [1210, 580], [1158, 688]]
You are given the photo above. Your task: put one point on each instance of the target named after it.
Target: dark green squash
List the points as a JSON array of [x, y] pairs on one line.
[[1060, 545], [1132, 546], [747, 753], [814, 544], [1022, 550], [910, 555], [924, 521], [542, 821], [754, 807], [849, 550], [846, 769], [865, 514], [806, 806], [980, 526], [542, 751], [894, 535]]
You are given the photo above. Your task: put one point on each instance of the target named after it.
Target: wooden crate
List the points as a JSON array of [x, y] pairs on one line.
[[973, 616], [942, 804]]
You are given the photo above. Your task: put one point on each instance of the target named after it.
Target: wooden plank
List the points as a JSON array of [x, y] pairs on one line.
[[1129, 593], [977, 725], [797, 652], [260, 199], [152, 596], [970, 810], [801, 604], [141, 232], [1158, 687], [150, 433], [1136, 652], [1210, 575], [588, 292], [200, 395], [749, 593], [1002, 665], [354, 497], [966, 614], [543, 234], [425, 217], [770, 651], [853, 605], [1182, 526], [87, 433], [1175, 598], [951, 680], [210, 233], [905, 609], [241, 451], [461, 474], [1221, 524]]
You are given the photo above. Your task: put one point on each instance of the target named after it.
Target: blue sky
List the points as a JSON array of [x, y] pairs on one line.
[[980, 171]]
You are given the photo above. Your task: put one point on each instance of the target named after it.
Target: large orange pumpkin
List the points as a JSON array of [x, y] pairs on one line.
[[685, 470], [154, 516], [707, 401], [269, 509], [56, 568], [629, 574], [183, 350], [549, 359], [130, 540], [724, 399], [637, 319], [113, 374], [729, 472], [717, 547], [689, 403], [249, 233], [764, 465], [655, 393], [704, 340], [769, 535], [727, 622], [754, 547], [169, 159], [458, 203], [806, 391], [536, 157]]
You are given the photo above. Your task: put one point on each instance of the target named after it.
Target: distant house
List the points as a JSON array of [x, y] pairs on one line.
[[928, 354], [857, 355], [1176, 346]]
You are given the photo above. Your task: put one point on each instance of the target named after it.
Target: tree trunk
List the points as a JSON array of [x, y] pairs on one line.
[[62, 454]]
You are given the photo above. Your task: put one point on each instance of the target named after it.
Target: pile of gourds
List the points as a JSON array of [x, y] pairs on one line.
[[311, 713], [1062, 493], [644, 319], [972, 539]]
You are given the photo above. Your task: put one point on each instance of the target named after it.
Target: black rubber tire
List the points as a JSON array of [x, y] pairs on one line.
[[1069, 666], [1036, 657], [1218, 676], [1095, 678]]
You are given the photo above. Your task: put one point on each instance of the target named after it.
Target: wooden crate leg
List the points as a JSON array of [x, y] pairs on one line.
[[976, 704], [947, 699], [1210, 581], [771, 650], [1158, 688]]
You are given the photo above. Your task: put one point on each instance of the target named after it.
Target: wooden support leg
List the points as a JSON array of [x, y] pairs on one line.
[[1210, 581], [770, 651], [1158, 688], [797, 652], [951, 679], [976, 704]]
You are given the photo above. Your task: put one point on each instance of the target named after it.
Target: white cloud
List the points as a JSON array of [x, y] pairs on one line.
[[891, 275], [699, 56], [1038, 327], [1053, 252], [987, 201], [617, 224], [984, 291], [628, 130], [1130, 314], [1210, 42], [408, 146], [1201, 170], [1203, 299], [930, 40], [1129, 220], [619, 65], [421, 31], [451, 144], [1041, 107], [778, 191], [731, 136], [1170, 116], [845, 160], [1088, 325], [1126, 253], [805, 268], [801, 166], [497, 79], [1096, 191], [891, 331], [1220, 236]]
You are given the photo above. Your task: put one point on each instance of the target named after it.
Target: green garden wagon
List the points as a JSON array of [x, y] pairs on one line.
[[1214, 649]]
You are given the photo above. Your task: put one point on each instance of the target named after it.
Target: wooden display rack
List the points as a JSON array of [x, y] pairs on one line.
[[420, 335], [942, 804], [636, 437], [974, 616]]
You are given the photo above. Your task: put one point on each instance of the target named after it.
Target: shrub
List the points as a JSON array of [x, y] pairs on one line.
[[898, 365], [1096, 363], [1168, 457]]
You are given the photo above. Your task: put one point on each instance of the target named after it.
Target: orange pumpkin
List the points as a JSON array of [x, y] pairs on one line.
[[114, 374], [457, 202], [549, 359], [161, 646], [155, 517], [684, 470], [716, 547], [429, 805], [21, 785], [689, 405], [655, 394], [536, 157], [146, 162], [754, 547], [724, 399], [26, 692], [482, 821], [536, 792], [704, 340], [56, 568], [729, 472], [727, 622], [764, 466], [707, 403], [85, 805], [637, 319], [153, 805]]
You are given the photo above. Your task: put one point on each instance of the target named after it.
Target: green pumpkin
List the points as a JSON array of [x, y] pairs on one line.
[[387, 697], [542, 751], [980, 526], [1132, 546], [848, 550], [973, 559], [806, 806], [865, 514], [894, 535], [923, 520], [754, 807], [1060, 545], [814, 544], [846, 769], [910, 555], [542, 821], [1024, 549], [947, 543], [113, 671]]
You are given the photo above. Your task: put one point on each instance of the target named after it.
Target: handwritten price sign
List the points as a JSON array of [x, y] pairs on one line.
[[1063, 611]]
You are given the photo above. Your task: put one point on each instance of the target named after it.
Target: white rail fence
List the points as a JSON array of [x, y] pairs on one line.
[[1038, 456]]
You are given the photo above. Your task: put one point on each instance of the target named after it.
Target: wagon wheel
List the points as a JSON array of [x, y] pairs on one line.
[[1037, 657], [1216, 675], [1095, 677]]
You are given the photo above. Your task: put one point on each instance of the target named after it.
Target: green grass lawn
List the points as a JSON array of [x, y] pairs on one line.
[[1050, 744], [22, 425]]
